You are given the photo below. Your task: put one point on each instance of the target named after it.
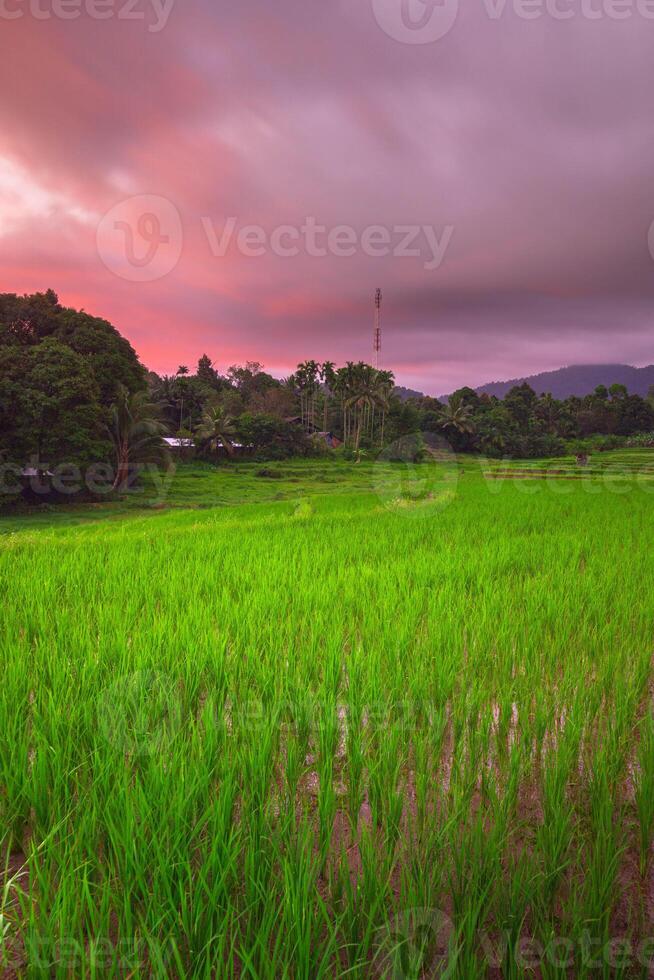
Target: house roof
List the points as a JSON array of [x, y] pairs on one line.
[[178, 443]]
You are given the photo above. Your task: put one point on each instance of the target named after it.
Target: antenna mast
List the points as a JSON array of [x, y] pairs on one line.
[[377, 334]]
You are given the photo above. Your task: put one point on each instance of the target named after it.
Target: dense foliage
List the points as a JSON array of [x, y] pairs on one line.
[[50, 407], [362, 408], [64, 375], [526, 425], [276, 418], [60, 372]]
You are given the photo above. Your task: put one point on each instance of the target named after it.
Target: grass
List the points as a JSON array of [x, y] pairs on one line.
[[332, 723], [200, 485]]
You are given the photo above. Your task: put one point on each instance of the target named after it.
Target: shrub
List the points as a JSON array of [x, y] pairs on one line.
[[272, 437], [640, 440]]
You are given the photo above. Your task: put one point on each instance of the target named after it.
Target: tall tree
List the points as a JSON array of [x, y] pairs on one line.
[[328, 379], [207, 374], [137, 434], [370, 392], [30, 320], [217, 428], [306, 382], [457, 416], [50, 407]]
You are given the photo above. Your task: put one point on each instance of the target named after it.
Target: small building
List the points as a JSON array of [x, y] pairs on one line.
[[34, 473], [35, 482], [329, 439], [174, 443], [183, 448]]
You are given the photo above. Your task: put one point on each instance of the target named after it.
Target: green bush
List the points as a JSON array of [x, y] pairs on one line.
[[640, 440]]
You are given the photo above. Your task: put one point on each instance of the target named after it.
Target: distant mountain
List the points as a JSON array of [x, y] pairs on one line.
[[579, 379], [405, 393]]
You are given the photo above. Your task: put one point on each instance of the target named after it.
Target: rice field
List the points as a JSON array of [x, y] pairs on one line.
[[339, 721]]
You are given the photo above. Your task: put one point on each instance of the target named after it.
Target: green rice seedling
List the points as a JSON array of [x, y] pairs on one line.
[[328, 739], [15, 717], [384, 787], [512, 904], [598, 893], [359, 915], [554, 835], [643, 779], [355, 762], [237, 743], [477, 850]]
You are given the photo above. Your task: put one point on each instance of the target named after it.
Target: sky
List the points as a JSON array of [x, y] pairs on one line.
[[238, 179]]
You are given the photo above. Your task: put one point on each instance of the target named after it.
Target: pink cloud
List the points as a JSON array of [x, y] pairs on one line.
[[532, 139]]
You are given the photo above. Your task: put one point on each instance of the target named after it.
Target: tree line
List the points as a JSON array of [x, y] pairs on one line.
[[354, 403], [524, 424], [72, 389], [363, 409]]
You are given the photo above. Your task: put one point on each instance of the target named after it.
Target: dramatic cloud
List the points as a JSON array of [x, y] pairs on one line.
[[511, 159]]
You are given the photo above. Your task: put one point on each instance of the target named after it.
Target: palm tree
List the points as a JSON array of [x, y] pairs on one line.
[[363, 391], [371, 393], [306, 381], [136, 432], [217, 427], [345, 386], [549, 410], [328, 379], [385, 384], [457, 415]]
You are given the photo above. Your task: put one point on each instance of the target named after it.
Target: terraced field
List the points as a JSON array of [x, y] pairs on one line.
[[342, 720], [626, 464]]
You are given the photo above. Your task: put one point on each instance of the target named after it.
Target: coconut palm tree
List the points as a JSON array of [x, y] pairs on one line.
[[456, 415], [136, 432], [217, 427]]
